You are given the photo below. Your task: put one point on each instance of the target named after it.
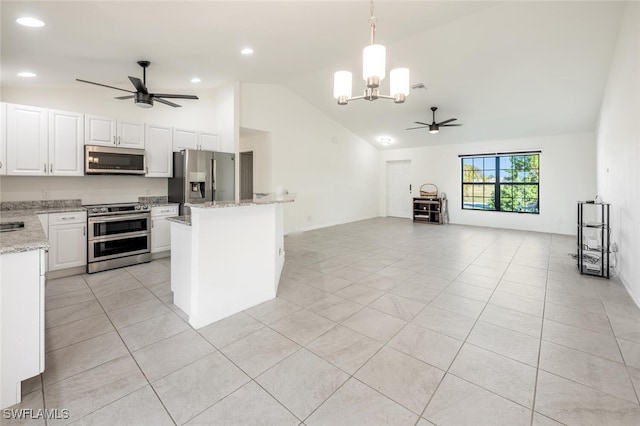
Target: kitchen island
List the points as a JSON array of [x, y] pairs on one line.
[[227, 257]]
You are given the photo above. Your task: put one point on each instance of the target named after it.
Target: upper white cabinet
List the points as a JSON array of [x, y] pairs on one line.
[[184, 139], [158, 151], [226, 145], [27, 142], [3, 138], [107, 131], [66, 153], [194, 139], [99, 130], [130, 134], [208, 141]]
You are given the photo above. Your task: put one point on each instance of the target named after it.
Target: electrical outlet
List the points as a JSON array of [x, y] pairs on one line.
[[45, 194], [614, 247]]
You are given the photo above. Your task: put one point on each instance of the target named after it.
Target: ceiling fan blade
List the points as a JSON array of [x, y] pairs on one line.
[[124, 97], [166, 95], [138, 84], [420, 122], [421, 127], [103, 85], [450, 125], [447, 121], [162, 101]]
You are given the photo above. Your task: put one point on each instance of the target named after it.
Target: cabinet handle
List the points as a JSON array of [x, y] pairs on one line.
[[51, 168], [119, 140], [152, 223], [165, 211], [84, 231], [0, 164], [45, 167], [68, 218], [114, 141]]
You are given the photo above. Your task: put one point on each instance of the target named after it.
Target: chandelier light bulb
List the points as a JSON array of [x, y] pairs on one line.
[[342, 84], [373, 63], [399, 81]]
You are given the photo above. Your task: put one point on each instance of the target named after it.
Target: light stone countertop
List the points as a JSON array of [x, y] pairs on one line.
[[184, 220], [32, 236], [268, 199]]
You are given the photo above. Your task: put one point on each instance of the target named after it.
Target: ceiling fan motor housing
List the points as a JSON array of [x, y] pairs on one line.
[[143, 100]]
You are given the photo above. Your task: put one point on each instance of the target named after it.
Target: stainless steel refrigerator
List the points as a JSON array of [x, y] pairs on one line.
[[201, 176]]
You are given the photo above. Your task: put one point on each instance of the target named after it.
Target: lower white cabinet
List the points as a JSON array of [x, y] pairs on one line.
[[161, 227], [22, 325], [67, 240]]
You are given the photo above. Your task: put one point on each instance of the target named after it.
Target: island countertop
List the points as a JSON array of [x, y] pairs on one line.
[[268, 199]]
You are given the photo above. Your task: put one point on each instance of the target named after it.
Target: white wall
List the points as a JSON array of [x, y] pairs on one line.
[[215, 111], [259, 143], [618, 148], [89, 189], [333, 171], [566, 176]]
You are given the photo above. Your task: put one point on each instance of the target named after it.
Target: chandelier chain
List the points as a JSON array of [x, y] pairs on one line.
[[372, 24]]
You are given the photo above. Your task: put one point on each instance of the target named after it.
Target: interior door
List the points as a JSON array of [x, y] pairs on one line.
[[398, 189], [246, 175]]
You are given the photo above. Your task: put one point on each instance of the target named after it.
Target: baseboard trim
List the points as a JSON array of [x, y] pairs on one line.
[[627, 287], [77, 270], [161, 255]]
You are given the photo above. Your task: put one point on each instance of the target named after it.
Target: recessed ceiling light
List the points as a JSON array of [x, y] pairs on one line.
[[247, 51], [27, 74], [195, 80], [28, 21], [385, 140]]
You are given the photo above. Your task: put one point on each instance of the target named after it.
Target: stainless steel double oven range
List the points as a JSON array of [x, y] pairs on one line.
[[119, 235]]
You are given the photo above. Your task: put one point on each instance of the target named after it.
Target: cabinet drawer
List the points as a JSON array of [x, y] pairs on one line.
[[68, 217], [164, 211]]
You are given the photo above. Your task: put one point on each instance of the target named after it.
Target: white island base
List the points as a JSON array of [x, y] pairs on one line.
[[227, 260]]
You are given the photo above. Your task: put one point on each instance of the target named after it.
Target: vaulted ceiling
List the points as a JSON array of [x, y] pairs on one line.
[[504, 69]]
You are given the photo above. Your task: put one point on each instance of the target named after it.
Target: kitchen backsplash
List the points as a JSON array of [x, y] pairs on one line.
[[156, 199], [40, 204]]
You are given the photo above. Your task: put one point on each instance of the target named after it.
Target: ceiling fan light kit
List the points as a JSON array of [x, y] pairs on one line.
[[373, 71], [141, 97]]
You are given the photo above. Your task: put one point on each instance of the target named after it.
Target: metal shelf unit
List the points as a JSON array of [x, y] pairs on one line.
[[594, 239]]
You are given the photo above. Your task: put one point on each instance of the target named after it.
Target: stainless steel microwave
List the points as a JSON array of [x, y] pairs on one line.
[[105, 160]]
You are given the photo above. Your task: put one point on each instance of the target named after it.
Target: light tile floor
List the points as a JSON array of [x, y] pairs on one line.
[[379, 322]]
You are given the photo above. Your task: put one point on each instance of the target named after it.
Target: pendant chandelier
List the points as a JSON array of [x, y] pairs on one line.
[[373, 71]]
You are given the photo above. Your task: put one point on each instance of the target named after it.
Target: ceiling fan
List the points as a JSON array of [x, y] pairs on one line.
[[141, 96], [435, 127]]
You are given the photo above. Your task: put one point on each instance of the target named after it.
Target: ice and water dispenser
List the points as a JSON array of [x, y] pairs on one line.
[[197, 185]]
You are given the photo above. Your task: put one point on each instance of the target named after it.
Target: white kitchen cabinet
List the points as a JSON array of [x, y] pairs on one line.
[[27, 140], [130, 134], [227, 145], [99, 130], [107, 131], [161, 227], [194, 139], [67, 240], [184, 139], [208, 141], [22, 326], [66, 148], [3, 138], [158, 151]]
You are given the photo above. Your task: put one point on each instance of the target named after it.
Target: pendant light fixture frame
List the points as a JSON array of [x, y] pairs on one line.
[[373, 71]]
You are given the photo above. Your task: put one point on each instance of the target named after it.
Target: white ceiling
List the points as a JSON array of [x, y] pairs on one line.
[[504, 69]]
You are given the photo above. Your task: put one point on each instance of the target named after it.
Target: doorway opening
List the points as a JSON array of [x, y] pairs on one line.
[[399, 189]]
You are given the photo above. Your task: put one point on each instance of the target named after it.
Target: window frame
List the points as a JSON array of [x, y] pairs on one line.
[[497, 183]]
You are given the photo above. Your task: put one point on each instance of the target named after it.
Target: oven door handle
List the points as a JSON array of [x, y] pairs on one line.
[[114, 237], [121, 217]]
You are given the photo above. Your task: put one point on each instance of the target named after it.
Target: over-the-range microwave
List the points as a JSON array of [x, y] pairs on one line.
[[105, 160]]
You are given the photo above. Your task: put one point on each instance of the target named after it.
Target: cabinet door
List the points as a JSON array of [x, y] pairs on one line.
[[130, 134], [27, 141], [3, 138], [160, 234], [68, 246], [66, 156], [184, 139], [226, 145], [99, 130], [158, 151], [208, 141]]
